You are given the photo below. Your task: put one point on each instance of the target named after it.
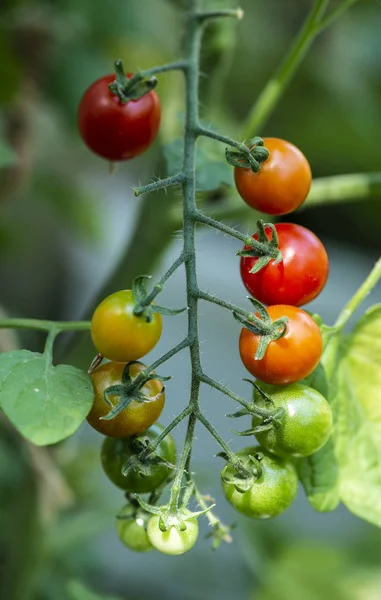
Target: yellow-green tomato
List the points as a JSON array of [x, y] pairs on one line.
[[131, 527], [306, 424], [173, 541], [119, 334], [268, 496]]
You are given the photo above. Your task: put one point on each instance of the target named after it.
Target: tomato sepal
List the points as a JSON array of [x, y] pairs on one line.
[[248, 159], [130, 390], [265, 249], [132, 88]]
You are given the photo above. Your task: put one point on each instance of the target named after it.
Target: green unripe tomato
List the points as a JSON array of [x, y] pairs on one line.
[[116, 451], [306, 424], [173, 541], [268, 496], [132, 529]]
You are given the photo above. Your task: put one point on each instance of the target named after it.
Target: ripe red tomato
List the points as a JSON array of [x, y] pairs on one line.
[[114, 130], [137, 416], [292, 357], [281, 185], [298, 278]]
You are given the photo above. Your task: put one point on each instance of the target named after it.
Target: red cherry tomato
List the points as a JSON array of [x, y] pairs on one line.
[[289, 359], [298, 278], [114, 130], [281, 185]]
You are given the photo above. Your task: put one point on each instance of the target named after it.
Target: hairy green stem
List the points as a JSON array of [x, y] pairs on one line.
[[175, 180], [232, 307], [158, 287]]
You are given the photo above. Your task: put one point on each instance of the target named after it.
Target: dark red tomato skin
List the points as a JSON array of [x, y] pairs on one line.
[[113, 130], [298, 278]]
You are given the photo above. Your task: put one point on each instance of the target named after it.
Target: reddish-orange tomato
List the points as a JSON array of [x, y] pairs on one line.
[[289, 359], [137, 416], [281, 185]]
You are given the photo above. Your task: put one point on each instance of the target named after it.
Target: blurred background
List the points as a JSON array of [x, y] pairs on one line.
[[70, 232]]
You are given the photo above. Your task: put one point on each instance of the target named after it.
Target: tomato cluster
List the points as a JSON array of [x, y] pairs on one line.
[[283, 266], [292, 274]]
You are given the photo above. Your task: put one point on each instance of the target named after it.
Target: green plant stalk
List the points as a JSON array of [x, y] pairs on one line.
[[43, 325], [193, 45], [353, 304], [272, 92]]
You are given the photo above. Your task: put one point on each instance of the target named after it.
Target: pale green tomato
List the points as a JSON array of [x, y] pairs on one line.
[[172, 541], [132, 529]]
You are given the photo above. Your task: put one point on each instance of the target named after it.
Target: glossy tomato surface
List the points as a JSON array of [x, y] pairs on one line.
[[131, 527], [306, 423], [281, 185], [268, 496], [289, 359], [298, 278], [137, 416], [113, 130], [119, 334], [116, 452], [174, 541]]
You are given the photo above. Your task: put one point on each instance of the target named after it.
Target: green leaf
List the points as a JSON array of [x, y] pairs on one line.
[[45, 403], [212, 171], [77, 591], [7, 155], [348, 468], [357, 411], [319, 476]]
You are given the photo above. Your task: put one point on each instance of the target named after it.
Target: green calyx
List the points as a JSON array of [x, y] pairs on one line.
[[268, 330], [248, 156], [144, 307], [268, 417], [130, 390], [243, 473], [142, 461], [169, 518], [130, 89], [264, 249]]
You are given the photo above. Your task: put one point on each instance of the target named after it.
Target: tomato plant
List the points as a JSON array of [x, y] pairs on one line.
[[138, 415], [306, 423], [296, 279], [131, 527], [283, 266], [116, 129], [271, 490], [118, 333], [281, 185], [141, 477]]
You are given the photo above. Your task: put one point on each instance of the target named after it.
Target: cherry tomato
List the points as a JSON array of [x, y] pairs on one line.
[[114, 130], [268, 496], [116, 452], [292, 357], [281, 185], [174, 541], [120, 335], [306, 424], [131, 527], [137, 416], [298, 278]]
